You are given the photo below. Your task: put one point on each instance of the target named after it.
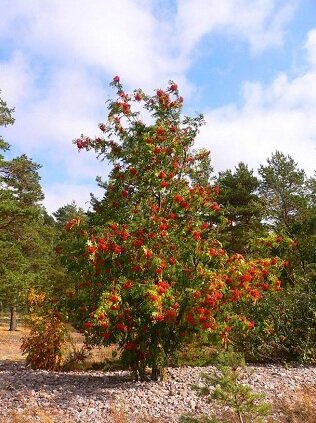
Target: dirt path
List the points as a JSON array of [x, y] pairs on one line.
[[10, 343]]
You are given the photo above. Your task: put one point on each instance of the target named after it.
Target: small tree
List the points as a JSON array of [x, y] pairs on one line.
[[150, 271], [229, 389]]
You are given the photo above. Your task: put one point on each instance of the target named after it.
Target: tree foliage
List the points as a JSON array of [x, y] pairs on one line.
[[166, 255], [285, 324], [150, 271], [27, 235], [238, 194]]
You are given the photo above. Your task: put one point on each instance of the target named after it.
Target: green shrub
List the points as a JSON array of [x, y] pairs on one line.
[[226, 387], [285, 326]]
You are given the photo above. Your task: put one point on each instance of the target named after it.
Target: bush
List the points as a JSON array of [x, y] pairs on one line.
[[285, 327], [45, 344]]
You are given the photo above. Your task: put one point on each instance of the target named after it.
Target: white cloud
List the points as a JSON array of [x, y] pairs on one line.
[[259, 22], [17, 79], [279, 116], [310, 46], [70, 105], [64, 53], [49, 118], [115, 37], [59, 52], [126, 37], [58, 195]]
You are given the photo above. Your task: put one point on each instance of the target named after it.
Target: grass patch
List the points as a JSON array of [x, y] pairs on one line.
[[196, 355], [36, 414], [301, 409], [10, 343], [98, 358]]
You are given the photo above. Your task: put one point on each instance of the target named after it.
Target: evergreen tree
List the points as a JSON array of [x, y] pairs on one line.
[[20, 212], [283, 191], [285, 324], [5, 119], [304, 230], [27, 234], [65, 213], [239, 198]]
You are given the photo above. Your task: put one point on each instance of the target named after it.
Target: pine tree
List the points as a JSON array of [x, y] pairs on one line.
[[26, 232], [238, 194], [282, 189]]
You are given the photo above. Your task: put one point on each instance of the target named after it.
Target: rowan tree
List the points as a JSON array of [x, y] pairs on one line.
[[150, 273]]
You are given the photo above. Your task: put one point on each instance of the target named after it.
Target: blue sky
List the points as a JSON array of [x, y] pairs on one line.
[[248, 65]]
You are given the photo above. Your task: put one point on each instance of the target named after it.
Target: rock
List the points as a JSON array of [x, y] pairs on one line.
[[192, 404], [90, 396], [91, 411]]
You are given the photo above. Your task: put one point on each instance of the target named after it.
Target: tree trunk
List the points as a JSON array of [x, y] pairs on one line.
[[241, 420], [156, 374], [13, 321]]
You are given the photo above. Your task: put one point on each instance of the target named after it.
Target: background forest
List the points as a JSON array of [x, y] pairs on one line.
[[275, 203]]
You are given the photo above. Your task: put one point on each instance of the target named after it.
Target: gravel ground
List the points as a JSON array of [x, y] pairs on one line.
[[90, 396]]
